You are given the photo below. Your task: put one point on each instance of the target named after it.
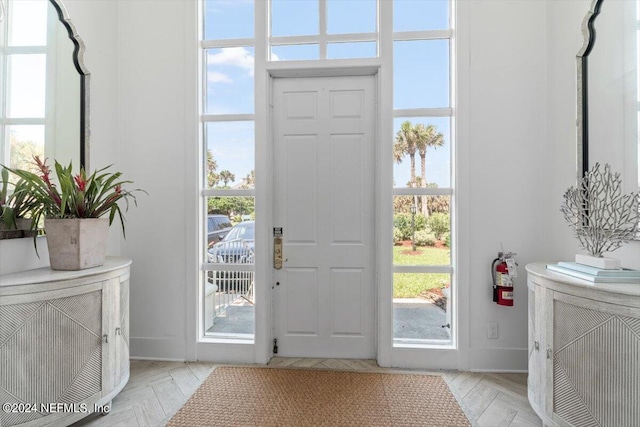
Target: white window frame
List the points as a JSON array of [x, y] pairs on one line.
[[5, 52], [440, 356]]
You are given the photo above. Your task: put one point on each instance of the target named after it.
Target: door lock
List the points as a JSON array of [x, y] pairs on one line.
[[277, 253]]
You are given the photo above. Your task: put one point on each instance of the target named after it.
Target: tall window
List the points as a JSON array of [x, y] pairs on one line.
[[23, 75], [422, 262], [227, 185]]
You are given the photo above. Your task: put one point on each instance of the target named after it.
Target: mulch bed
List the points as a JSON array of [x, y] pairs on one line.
[[435, 296]]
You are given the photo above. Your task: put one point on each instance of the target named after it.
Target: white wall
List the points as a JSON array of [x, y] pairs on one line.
[[155, 114], [505, 151]]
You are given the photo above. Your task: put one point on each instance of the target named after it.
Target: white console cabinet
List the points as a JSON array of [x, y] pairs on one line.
[[584, 350], [64, 340]]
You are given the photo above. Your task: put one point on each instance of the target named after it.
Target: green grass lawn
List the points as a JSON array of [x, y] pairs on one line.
[[410, 285]]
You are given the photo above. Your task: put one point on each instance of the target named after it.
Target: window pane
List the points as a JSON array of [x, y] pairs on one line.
[[421, 308], [294, 17], [421, 74], [428, 230], [28, 23], [411, 15], [433, 135], [229, 225], [25, 141], [351, 16], [295, 52], [225, 19], [229, 80], [27, 85], [351, 50], [230, 155], [228, 304]]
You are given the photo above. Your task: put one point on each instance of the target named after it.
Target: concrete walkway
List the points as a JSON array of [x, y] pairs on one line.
[[412, 319]]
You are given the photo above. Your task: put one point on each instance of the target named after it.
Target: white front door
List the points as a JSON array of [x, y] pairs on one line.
[[324, 142]]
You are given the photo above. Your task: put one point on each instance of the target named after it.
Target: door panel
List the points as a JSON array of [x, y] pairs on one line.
[[324, 201]]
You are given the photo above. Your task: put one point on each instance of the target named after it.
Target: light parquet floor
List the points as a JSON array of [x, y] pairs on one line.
[[156, 390]]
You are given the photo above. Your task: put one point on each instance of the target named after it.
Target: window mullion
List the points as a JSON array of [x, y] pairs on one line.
[[423, 112], [212, 44], [422, 35], [205, 118], [322, 15]]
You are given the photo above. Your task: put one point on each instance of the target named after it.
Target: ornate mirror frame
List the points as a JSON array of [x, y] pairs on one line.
[[589, 34], [78, 62]]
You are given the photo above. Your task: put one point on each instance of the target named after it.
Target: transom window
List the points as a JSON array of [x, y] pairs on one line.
[[323, 29]]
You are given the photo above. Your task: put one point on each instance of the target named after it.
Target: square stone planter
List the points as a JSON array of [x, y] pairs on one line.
[[76, 243]]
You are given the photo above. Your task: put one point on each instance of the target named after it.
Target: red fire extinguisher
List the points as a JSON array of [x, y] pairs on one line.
[[503, 270]]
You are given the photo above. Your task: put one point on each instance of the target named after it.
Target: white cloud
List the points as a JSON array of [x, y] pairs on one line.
[[214, 77], [274, 57], [234, 56]]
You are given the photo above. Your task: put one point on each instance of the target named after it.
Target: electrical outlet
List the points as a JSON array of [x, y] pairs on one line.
[[492, 331]]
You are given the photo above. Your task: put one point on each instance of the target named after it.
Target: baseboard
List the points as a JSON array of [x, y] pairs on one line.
[[498, 359], [158, 359], [168, 349]]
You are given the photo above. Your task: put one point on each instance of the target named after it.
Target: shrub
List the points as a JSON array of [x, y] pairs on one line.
[[397, 235], [447, 239], [402, 221], [424, 238], [439, 224]]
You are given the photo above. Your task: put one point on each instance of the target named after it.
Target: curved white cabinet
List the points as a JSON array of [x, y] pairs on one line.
[[64, 340], [584, 350]]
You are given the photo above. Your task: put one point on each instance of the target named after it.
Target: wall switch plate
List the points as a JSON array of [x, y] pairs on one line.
[[492, 331]]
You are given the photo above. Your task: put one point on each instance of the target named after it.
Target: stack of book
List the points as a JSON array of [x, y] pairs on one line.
[[596, 275]]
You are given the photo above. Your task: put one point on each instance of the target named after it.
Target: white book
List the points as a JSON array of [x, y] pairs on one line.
[[590, 277], [621, 272]]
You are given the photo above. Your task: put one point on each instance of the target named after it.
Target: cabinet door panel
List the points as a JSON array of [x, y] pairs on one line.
[[50, 351], [596, 367]]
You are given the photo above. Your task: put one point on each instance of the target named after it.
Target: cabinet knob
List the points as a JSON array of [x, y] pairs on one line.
[[536, 345], [105, 338], [118, 331]]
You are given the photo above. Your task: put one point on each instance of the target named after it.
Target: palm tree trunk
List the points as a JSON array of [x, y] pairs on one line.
[[413, 169], [423, 183]]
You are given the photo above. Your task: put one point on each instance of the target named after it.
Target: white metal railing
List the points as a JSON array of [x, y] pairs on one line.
[[232, 287]]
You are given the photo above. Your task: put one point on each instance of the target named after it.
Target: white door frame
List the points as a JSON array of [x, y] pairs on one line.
[[264, 222]]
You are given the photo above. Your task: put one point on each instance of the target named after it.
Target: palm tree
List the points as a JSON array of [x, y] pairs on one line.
[[212, 177], [227, 176], [425, 137], [250, 179], [405, 143]]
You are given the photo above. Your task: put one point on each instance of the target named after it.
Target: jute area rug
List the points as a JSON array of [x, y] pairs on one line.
[[246, 396]]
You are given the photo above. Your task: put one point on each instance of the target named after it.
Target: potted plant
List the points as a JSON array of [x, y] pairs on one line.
[[18, 207], [601, 216], [73, 212], [4, 184]]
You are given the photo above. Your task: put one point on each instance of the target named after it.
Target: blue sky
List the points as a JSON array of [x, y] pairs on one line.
[[421, 71]]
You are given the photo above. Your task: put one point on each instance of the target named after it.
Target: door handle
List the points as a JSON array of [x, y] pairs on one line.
[[277, 253]]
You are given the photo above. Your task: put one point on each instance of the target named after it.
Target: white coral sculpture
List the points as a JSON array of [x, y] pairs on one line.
[[601, 217]]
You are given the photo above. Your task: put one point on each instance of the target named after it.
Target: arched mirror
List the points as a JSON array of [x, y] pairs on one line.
[[44, 85], [608, 102]]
